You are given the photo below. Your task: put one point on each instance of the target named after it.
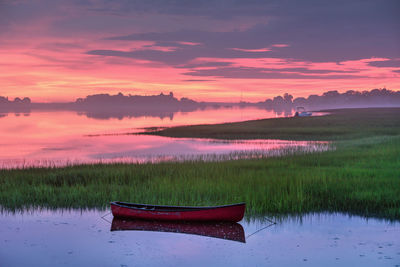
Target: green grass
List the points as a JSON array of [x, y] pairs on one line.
[[362, 179], [362, 176], [342, 124]]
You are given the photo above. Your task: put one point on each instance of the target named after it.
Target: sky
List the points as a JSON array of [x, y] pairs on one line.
[[215, 50]]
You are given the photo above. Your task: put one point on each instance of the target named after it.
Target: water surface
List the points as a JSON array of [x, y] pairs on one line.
[[59, 138], [83, 238]]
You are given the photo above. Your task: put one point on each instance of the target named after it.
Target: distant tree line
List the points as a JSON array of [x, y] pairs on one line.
[[168, 102], [17, 101], [134, 100], [334, 99]]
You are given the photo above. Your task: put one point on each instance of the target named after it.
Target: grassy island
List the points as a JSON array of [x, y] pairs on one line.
[[337, 125], [361, 176]]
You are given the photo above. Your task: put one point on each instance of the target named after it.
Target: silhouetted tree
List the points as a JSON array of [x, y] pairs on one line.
[[287, 98]]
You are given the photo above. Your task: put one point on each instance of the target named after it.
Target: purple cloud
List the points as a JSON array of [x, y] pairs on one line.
[[394, 63], [268, 73]]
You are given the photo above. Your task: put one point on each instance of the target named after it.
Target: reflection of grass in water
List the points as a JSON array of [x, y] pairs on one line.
[[310, 147], [236, 155], [361, 176]]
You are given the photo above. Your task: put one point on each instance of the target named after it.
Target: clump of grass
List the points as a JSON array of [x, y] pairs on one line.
[[360, 177]]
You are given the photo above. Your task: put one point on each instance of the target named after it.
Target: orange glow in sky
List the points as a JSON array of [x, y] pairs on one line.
[[69, 50]]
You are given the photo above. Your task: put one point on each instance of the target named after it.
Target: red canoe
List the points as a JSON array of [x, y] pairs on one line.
[[231, 213]]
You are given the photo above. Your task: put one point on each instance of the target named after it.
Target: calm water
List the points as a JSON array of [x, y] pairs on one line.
[[75, 238], [66, 137]]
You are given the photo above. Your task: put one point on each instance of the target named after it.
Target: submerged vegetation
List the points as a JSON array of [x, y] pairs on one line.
[[362, 176]]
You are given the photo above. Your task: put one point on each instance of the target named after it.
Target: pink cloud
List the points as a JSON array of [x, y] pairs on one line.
[[252, 50], [189, 43], [280, 45]]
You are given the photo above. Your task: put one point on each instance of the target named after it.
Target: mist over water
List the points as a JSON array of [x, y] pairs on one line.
[[106, 106]]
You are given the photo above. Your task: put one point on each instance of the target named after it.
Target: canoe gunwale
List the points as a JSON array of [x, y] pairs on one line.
[[171, 208]]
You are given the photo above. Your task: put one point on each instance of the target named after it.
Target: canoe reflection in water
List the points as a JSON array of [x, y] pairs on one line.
[[224, 230]]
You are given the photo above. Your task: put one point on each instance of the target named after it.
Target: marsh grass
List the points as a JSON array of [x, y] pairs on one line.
[[360, 177], [338, 125]]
